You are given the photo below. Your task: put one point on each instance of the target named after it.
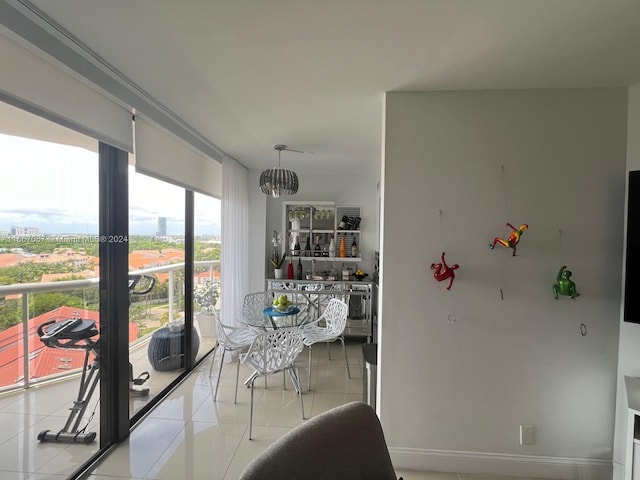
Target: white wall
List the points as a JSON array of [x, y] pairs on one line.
[[629, 346], [452, 395]]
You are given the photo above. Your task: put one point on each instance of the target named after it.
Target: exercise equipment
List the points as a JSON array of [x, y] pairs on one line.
[[74, 333], [139, 285], [78, 334]]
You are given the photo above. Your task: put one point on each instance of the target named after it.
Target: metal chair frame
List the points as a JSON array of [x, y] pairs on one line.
[[230, 339], [334, 319]]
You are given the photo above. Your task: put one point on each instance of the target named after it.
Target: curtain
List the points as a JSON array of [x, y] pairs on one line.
[[235, 241]]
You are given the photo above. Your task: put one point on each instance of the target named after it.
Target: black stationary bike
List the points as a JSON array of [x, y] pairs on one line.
[[76, 333], [139, 285]]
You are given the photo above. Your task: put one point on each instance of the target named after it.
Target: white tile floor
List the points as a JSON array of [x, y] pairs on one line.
[[189, 435]]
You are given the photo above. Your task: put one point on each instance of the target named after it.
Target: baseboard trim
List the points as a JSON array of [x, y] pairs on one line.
[[558, 468]]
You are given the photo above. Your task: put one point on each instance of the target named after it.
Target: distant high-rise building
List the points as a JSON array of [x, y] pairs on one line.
[[24, 231], [162, 227]]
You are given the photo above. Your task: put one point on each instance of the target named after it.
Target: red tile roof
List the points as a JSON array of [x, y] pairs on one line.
[[54, 277], [44, 360]]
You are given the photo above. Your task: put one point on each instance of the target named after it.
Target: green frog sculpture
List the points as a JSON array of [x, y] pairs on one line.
[[564, 285]]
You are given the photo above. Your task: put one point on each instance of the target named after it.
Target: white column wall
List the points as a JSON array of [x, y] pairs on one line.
[[457, 166]]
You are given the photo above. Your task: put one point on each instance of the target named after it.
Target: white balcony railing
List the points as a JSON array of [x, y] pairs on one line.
[[26, 290]]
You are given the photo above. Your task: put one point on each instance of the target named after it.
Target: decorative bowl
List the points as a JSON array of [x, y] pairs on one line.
[[284, 309], [360, 277]]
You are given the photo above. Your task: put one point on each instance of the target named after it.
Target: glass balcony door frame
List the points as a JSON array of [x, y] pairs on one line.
[[115, 423], [114, 296]]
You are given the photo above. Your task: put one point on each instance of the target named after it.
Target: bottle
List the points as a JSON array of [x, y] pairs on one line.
[[296, 247], [332, 247], [307, 247], [343, 223], [343, 248], [317, 251], [354, 248], [299, 273], [290, 269]]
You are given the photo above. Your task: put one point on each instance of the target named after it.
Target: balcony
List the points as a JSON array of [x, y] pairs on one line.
[[38, 385]]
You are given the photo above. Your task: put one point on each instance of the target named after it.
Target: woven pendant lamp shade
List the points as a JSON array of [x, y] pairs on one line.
[[278, 181]]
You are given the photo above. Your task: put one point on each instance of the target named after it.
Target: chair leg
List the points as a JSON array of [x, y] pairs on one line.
[[297, 381], [346, 359], [215, 392], [329, 351], [235, 399], [213, 357], [309, 377], [251, 414]]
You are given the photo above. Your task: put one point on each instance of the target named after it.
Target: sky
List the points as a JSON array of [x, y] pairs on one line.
[[55, 188]]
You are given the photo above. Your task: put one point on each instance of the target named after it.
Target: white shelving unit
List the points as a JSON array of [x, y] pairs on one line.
[[316, 223]]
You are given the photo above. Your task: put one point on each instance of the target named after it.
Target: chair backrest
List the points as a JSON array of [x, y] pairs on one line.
[[253, 305], [274, 350], [335, 317], [346, 442], [220, 331]]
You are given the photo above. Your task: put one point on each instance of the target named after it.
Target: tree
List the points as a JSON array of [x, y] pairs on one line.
[[48, 301], [10, 313]]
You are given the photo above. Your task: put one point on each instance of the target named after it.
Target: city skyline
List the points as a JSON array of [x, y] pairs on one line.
[[53, 187]]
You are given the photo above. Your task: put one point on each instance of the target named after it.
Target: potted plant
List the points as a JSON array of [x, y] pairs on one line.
[[276, 259], [206, 296], [278, 271]]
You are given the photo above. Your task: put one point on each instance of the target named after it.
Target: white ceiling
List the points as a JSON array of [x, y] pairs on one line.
[[248, 74]]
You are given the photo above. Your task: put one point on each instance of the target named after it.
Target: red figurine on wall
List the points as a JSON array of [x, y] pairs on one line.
[[444, 271], [512, 240]]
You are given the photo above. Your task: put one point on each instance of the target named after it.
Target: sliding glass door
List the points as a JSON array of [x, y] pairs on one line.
[[49, 266], [157, 263]]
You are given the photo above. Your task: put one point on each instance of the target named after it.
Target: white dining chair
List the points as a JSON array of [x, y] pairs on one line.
[[230, 339], [329, 327], [271, 352], [253, 305]]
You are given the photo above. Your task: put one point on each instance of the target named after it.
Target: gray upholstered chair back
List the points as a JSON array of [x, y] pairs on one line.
[[344, 443]]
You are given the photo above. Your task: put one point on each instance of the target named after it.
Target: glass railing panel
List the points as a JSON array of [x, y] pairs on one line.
[[53, 355], [12, 344]]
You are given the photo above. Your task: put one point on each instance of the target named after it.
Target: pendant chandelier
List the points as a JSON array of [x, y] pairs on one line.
[[279, 181]]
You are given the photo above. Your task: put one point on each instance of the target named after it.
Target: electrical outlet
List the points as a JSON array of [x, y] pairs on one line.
[[527, 435]]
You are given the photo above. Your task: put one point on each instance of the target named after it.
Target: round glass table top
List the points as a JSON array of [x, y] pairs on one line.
[[270, 317]]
